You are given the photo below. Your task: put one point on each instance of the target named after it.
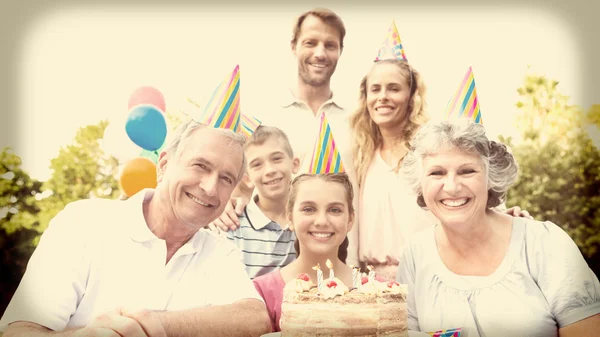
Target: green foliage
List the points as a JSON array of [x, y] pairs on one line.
[[80, 171], [559, 165], [18, 209], [593, 116], [17, 194]]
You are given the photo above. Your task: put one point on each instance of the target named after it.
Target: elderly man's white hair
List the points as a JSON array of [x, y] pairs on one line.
[[186, 128]]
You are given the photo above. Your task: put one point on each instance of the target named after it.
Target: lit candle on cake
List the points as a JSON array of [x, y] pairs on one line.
[[330, 266], [319, 277], [371, 273]]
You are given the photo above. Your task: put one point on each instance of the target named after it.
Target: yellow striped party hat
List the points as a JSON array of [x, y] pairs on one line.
[[223, 107], [326, 157], [249, 125], [464, 103]]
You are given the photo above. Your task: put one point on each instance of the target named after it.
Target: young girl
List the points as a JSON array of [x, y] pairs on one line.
[[320, 211]]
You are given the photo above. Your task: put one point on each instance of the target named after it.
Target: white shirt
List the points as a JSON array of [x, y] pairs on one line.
[[542, 285], [389, 214], [99, 254], [301, 125]]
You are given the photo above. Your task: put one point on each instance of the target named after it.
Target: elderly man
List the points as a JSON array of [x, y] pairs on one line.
[[146, 266]]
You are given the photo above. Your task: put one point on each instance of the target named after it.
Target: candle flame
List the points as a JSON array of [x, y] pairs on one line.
[[317, 267], [370, 268], [329, 264]]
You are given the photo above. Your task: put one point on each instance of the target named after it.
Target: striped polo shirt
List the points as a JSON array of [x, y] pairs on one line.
[[265, 245]]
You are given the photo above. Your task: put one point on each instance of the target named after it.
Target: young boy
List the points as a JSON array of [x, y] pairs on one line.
[[263, 235]]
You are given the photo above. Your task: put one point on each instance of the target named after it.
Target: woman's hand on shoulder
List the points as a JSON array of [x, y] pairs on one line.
[[517, 212]]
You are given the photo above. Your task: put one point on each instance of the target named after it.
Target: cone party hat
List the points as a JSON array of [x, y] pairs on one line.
[[249, 125], [392, 46], [326, 157], [464, 103], [223, 107]]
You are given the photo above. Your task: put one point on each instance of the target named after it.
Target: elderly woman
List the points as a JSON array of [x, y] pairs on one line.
[[485, 271]]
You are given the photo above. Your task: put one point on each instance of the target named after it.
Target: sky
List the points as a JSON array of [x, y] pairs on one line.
[[79, 65]]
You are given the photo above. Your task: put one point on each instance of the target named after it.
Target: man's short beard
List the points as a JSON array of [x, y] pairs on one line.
[[315, 83]]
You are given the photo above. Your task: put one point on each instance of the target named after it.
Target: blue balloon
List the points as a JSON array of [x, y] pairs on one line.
[[146, 127]]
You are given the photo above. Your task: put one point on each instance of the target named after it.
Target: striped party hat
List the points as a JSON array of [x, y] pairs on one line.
[[326, 157], [249, 125], [464, 103], [392, 46], [223, 107]]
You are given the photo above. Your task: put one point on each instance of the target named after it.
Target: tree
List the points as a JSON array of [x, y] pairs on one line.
[[559, 176], [18, 210], [81, 170]]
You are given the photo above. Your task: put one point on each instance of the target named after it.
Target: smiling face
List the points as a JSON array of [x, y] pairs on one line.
[[454, 187], [388, 93], [270, 168], [199, 177], [317, 50], [321, 216]]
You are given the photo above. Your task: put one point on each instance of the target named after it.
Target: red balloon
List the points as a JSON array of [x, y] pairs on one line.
[[147, 95]]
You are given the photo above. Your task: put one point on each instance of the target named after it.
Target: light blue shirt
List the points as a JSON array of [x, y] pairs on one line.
[[542, 284]]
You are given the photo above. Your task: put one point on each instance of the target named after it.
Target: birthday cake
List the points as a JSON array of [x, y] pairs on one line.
[[369, 308]]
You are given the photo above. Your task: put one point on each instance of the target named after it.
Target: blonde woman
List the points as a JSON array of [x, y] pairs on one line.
[[391, 108]]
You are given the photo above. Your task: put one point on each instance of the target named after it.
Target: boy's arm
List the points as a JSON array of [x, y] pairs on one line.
[[229, 219]]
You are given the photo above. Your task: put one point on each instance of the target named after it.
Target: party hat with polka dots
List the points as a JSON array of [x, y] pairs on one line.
[[392, 46]]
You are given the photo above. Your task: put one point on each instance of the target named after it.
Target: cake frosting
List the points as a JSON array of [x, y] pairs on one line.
[[373, 309]]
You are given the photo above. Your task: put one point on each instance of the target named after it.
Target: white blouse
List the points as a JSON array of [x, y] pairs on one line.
[[542, 284], [388, 214]]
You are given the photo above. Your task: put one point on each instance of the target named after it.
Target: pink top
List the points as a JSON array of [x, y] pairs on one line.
[[270, 287]]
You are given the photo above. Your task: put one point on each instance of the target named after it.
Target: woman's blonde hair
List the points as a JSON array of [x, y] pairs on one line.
[[367, 137]]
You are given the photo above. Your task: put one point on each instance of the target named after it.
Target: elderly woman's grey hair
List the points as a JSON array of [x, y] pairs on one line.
[[500, 166], [186, 128]]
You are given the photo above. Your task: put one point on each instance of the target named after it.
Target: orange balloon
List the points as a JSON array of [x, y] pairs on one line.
[[137, 174]]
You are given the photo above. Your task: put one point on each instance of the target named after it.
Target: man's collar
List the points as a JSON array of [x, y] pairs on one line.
[[139, 230], [257, 219], [138, 227], [288, 99]]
